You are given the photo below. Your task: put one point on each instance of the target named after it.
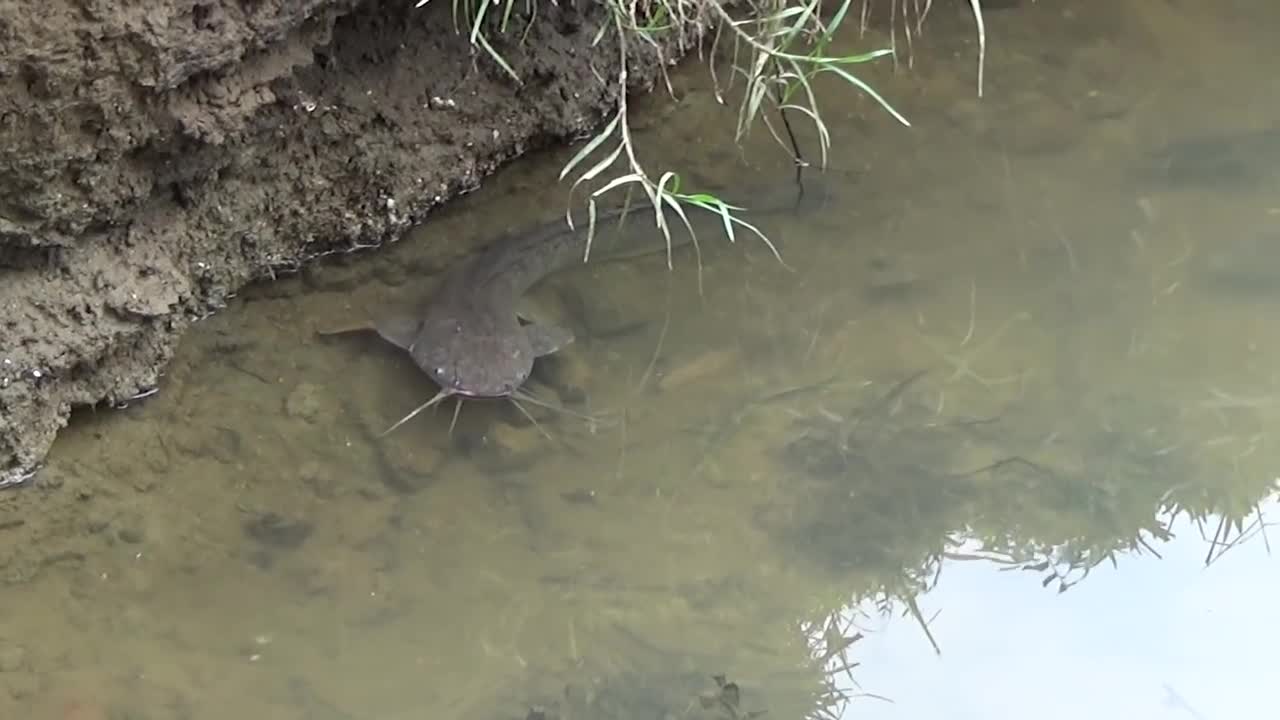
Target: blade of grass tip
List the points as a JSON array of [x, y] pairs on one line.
[[590, 147], [506, 15], [783, 35], [599, 167], [533, 20], [674, 200], [650, 191], [768, 243], [806, 9], [867, 89], [604, 27], [707, 200], [661, 219], [658, 197], [982, 40], [796, 28], [777, 27], [616, 182], [590, 175], [454, 11], [663, 195], [632, 177], [480, 14], [591, 229], [748, 84], [697, 249], [858, 59], [823, 59], [727, 220], [836, 20], [484, 43], [761, 87], [759, 91], [716, 207], [752, 76]]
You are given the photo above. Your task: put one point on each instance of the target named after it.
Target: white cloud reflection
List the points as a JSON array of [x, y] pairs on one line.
[[1154, 640]]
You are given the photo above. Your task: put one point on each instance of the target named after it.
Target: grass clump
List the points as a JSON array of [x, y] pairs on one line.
[[776, 48]]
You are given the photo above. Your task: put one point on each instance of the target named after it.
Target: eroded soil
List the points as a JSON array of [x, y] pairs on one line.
[[153, 163]]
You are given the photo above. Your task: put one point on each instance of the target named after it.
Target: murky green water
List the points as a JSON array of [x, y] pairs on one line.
[[1086, 265]]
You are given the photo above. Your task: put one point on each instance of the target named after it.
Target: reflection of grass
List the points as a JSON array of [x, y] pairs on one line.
[[882, 495], [832, 638], [884, 502], [870, 484], [1234, 513]]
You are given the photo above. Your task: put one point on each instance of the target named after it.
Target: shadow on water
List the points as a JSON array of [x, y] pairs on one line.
[[1031, 334]]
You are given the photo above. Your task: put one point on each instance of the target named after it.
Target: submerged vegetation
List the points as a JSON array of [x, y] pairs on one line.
[[776, 48], [883, 490]]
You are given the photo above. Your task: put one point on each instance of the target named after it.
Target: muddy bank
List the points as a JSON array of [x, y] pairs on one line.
[[153, 164]]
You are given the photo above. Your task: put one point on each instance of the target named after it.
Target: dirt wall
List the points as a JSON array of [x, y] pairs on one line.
[[156, 158]]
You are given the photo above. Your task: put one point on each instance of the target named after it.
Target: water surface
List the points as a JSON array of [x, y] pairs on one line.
[[1015, 389]]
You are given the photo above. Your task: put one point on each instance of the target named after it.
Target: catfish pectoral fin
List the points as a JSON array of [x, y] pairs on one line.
[[399, 330], [364, 326]]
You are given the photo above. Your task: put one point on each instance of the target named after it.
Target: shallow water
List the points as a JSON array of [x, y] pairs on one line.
[[766, 467]]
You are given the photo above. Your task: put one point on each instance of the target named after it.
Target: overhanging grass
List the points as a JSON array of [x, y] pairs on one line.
[[775, 47]]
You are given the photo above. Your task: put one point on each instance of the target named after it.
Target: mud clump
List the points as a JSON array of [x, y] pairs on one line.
[[152, 164]]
